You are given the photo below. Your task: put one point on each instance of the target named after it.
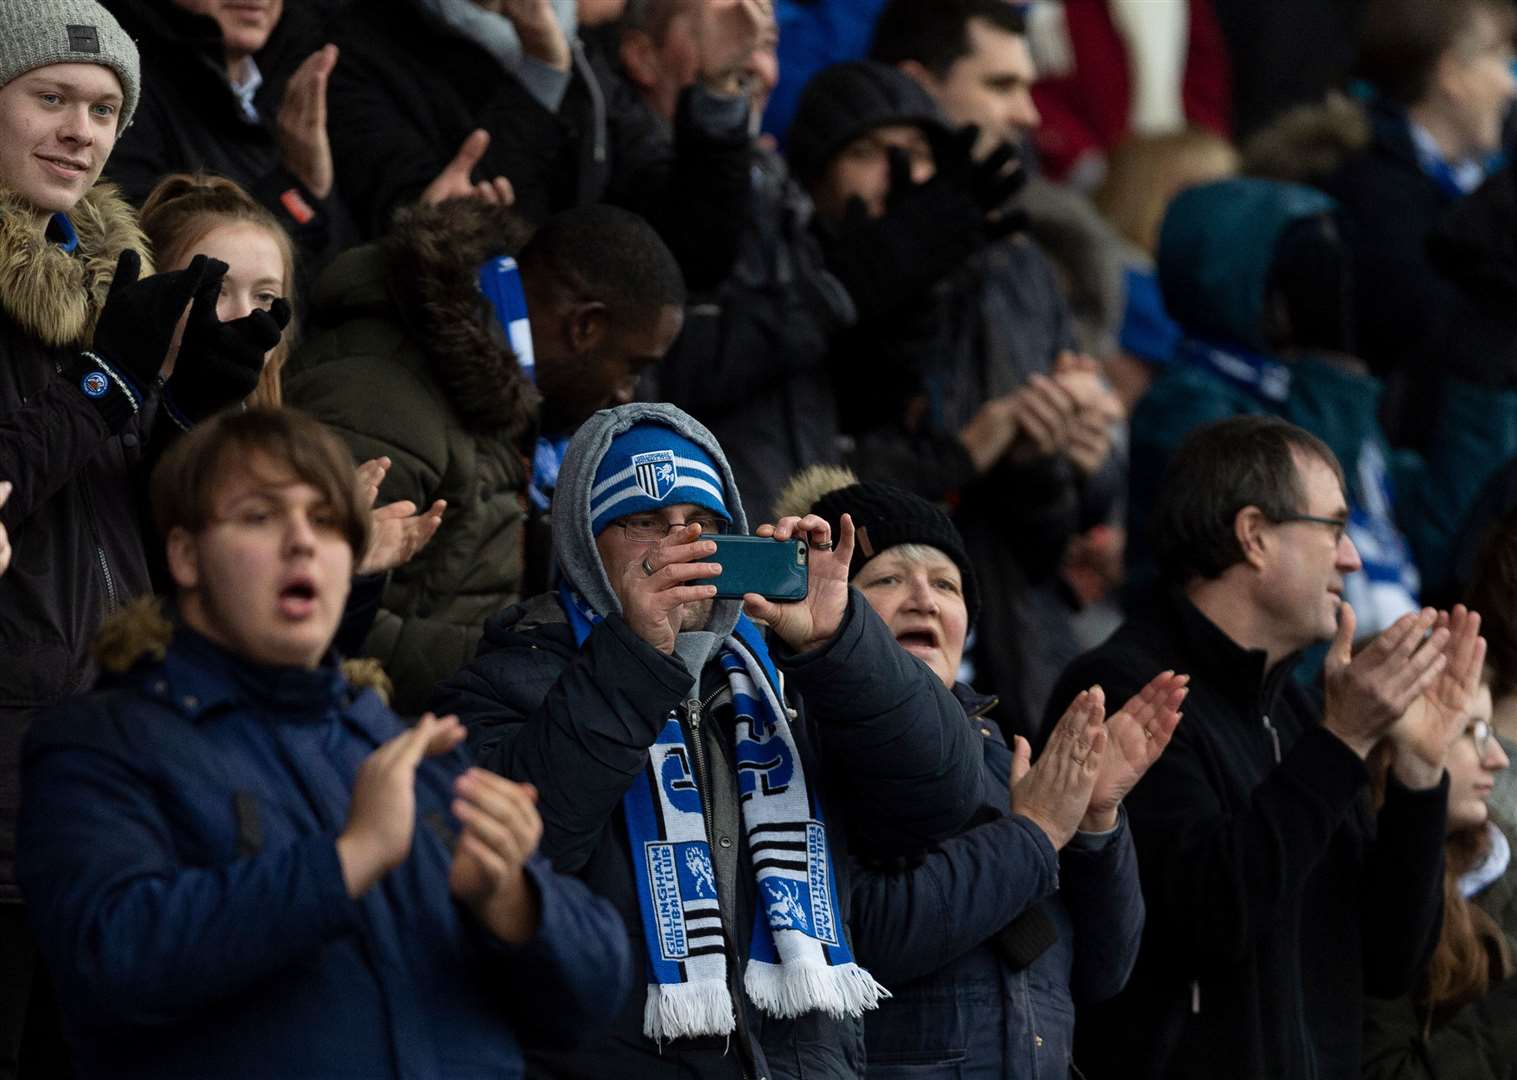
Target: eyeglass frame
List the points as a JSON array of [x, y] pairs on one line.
[[1481, 734], [718, 527], [1340, 525]]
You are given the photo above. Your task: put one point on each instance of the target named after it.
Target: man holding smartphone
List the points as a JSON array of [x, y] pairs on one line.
[[680, 774]]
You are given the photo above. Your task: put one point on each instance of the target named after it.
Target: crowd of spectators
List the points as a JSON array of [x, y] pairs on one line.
[[414, 415]]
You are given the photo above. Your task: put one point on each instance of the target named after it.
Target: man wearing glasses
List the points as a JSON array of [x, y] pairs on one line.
[[703, 775], [1264, 873]]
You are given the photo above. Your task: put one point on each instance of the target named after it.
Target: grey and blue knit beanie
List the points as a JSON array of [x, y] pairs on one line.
[[649, 466], [36, 33]]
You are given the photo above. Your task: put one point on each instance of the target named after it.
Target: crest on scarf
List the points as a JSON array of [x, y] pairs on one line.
[[656, 473]]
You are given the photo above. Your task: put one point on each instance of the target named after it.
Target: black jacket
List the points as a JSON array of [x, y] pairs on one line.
[[409, 90], [577, 723], [1275, 899], [752, 361], [72, 517], [190, 120]]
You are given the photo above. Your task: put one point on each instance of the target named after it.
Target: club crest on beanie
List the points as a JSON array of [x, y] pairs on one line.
[[36, 33], [649, 466]]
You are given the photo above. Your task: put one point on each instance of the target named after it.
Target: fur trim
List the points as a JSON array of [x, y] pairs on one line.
[[806, 488], [433, 255], [1309, 143], [138, 631], [55, 296], [366, 673]]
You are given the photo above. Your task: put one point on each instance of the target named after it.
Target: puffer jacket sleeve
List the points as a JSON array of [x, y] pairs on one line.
[[1099, 885], [906, 765], [1478, 1043], [581, 738], [129, 930], [908, 921], [44, 444], [575, 972]]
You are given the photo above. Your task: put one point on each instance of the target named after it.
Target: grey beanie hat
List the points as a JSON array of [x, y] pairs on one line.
[[35, 33]]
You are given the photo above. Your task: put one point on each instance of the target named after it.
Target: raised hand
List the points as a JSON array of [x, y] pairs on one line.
[[501, 831], [1097, 408], [1365, 694], [656, 586], [812, 622], [455, 181], [1055, 792], [728, 31], [219, 363], [382, 810], [1136, 736], [302, 123], [990, 432], [140, 316], [398, 531], [1436, 717], [1045, 412], [541, 36]]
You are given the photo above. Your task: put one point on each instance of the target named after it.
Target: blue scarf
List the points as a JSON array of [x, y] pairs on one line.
[[798, 957]]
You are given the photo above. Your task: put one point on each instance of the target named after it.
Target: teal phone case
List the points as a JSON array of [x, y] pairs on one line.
[[775, 569]]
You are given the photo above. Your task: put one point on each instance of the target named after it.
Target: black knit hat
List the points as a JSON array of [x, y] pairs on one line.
[[884, 516], [845, 101]]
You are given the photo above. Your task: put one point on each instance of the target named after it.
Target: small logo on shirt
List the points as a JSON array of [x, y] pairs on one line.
[[84, 39], [95, 384]]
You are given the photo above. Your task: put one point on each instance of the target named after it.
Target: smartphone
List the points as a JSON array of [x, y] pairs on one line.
[[775, 569]]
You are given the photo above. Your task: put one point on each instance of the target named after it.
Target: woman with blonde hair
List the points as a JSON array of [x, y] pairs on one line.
[[188, 215], [1460, 1020]]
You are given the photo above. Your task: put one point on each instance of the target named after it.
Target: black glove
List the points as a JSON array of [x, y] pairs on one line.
[[991, 183], [220, 362], [133, 335]]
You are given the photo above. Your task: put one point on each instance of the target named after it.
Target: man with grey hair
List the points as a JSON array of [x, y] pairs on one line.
[[83, 335]]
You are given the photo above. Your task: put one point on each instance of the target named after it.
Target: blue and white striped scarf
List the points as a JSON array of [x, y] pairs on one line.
[[799, 959]]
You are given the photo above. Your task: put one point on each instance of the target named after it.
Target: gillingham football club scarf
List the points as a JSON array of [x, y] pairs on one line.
[[798, 957]]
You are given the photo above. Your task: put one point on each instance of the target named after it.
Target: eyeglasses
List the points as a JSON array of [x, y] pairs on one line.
[[1338, 525], [647, 529], [1480, 731]]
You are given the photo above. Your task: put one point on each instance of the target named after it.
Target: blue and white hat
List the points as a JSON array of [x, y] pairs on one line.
[[649, 466]]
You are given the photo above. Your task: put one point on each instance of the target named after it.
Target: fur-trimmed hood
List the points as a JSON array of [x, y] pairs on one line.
[[55, 295], [1309, 143], [432, 257], [141, 632]]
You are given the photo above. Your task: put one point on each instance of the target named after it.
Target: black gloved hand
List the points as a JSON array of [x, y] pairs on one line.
[[991, 183], [927, 232], [220, 362], [133, 335]]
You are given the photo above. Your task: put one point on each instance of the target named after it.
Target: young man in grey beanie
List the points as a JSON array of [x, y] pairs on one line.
[[705, 777], [83, 335]]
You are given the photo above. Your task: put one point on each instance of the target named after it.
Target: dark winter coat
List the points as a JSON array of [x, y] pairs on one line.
[[71, 518], [189, 120], [752, 361], [1479, 1042], [409, 90], [880, 739], [1414, 326], [179, 861], [959, 1007], [1276, 900], [906, 394], [407, 361]]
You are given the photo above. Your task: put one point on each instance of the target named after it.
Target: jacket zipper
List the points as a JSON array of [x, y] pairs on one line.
[[111, 600], [695, 710]]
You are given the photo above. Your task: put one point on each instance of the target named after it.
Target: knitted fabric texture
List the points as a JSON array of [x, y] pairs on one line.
[[36, 33], [650, 466], [846, 101], [884, 516]]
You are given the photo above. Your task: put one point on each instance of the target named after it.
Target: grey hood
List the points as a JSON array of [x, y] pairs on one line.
[[573, 544]]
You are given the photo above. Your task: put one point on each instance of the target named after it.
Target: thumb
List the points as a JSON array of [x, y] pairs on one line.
[[1341, 651], [128, 268], [1021, 759], [470, 152]]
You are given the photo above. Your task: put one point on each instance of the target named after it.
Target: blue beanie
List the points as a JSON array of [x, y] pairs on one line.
[[649, 466]]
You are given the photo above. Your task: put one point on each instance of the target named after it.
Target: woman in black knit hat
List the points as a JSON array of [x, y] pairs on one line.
[[989, 940]]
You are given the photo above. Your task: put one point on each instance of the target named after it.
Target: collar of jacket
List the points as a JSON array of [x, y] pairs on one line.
[[974, 703], [198, 678], [1243, 675], [52, 294]]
